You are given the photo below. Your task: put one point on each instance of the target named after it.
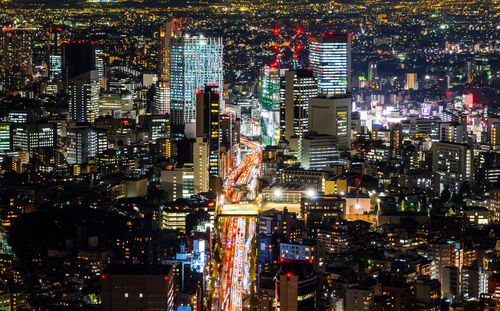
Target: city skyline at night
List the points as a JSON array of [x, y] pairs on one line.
[[237, 155]]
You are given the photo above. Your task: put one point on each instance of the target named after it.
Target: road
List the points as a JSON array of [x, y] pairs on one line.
[[242, 181], [237, 232]]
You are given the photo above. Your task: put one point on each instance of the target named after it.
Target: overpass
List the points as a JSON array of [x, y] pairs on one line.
[[239, 209]]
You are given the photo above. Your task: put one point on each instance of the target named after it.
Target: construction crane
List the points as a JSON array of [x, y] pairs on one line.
[[287, 44], [177, 25]]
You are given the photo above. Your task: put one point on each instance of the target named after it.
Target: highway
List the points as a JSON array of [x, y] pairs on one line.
[[237, 232]]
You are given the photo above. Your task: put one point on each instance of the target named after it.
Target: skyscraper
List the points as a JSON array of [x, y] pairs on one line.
[[84, 97], [194, 63], [300, 86], [207, 124], [330, 60], [15, 56], [5, 142], [82, 144], [55, 55], [79, 57], [162, 101], [332, 116]]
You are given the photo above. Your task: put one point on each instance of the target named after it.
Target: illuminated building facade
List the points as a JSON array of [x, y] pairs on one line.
[[16, 57], [4, 136], [208, 124], [29, 136], [330, 60], [300, 86], [332, 116], [84, 97], [194, 63]]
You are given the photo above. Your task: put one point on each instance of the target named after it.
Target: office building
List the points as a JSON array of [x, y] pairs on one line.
[[332, 116], [162, 100], [179, 181], [82, 144], [200, 161], [159, 126], [411, 81], [29, 136], [78, 58], [208, 124], [137, 287], [330, 60], [15, 48], [300, 87], [454, 162], [453, 132], [84, 97], [55, 55], [5, 141], [317, 151], [195, 62], [16, 57]]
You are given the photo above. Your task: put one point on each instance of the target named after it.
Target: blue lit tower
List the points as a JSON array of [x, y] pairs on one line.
[[55, 54], [194, 63], [330, 61]]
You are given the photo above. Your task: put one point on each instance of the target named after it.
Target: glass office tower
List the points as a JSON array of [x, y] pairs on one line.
[[195, 62], [330, 60]]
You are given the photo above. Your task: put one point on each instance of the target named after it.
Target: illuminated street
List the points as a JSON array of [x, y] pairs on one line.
[[238, 231]]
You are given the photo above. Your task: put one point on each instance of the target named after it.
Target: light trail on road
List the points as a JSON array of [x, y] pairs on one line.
[[237, 233]]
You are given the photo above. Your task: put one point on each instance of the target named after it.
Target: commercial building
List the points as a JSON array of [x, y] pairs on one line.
[[78, 57], [330, 60], [317, 151], [208, 124], [454, 162], [178, 181], [200, 160], [332, 116], [84, 97], [300, 87], [29, 136], [195, 62], [82, 144], [5, 141]]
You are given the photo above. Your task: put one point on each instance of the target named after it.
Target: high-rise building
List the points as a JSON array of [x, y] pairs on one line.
[[207, 124], [179, 181], [318, 151], [332, 116], [138, 287], [194, 63], [454, 162], [270, 89], [330, 60], [78, 57], [453, 132], [411, 81], [16, 57], [162, 101], [200, 161], [29, 136], [5, 141], [55, 55], [84, 97], [300, 87], [82, 144]]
